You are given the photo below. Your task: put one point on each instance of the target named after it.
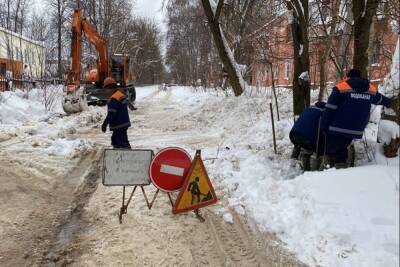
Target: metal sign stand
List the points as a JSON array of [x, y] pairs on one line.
[[198, 215], [126, 201], [124, 208]]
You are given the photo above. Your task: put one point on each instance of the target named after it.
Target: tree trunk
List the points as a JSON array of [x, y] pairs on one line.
[[363, 14], [219, 40], [245, 14], [323, 75], [16, 16], [59, 47], [299, 26], [344, 43], [8, 18]]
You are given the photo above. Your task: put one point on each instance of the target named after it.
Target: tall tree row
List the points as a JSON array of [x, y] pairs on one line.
[[190, 54]]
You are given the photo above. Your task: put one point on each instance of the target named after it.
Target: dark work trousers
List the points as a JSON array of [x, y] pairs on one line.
[[303, 142], [119, 138], [336, 146]]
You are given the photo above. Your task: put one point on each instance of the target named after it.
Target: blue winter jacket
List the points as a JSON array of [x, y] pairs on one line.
[[348, 107], [117, 113], [308, 122]]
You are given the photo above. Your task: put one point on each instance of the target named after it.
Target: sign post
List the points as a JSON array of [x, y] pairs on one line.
[[168, 169], [125, 167]]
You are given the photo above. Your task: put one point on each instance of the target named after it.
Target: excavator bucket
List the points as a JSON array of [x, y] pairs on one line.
[[74, 101]]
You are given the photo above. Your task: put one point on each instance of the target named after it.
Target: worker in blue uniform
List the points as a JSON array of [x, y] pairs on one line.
[[347, 112], [117, 116], [306, 135], [305, 130]]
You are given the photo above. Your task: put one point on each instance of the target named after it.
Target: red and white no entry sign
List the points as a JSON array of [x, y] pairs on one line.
[[168, 168]]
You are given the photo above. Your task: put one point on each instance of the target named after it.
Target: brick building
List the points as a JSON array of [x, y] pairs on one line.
[[280, 55]]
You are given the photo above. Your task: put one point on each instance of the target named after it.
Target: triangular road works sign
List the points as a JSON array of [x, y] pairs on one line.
[[197, 190]]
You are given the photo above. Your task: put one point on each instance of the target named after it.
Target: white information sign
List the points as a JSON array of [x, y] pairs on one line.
[[126, 167]]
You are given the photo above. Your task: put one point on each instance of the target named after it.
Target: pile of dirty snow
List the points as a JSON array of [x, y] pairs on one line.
[[36, 117], [68, 148], [19, 107]]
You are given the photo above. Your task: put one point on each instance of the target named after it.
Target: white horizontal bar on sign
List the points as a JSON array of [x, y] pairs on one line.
[[172, 170]]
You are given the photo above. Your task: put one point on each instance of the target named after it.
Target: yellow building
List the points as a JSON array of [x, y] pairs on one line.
[[21, 57]]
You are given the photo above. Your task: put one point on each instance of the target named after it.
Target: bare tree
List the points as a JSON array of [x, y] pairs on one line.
[[363, 12], [327, 42], [301, 80], [226, 55]]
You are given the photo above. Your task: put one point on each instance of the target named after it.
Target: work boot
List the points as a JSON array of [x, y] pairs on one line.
[[305, 159], [326, 163], [315, 162], [295, 152]]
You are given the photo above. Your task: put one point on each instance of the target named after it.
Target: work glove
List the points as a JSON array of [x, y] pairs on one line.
[[104, 127]]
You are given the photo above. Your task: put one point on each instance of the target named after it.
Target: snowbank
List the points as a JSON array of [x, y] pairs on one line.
[[332, 218], [16, 108], [388, 130], [36, 117], [20, 107], [340, 217], [68, 148]]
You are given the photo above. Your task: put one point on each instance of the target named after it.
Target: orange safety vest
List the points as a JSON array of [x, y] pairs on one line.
[[117, 96], [343, 86]]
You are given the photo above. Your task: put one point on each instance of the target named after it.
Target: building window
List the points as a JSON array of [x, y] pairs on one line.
[[276, 72], [3, 69], [287, 70], [266, 72], [277, 39]]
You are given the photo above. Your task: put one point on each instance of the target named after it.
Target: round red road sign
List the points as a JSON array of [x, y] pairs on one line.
[[168, 168]]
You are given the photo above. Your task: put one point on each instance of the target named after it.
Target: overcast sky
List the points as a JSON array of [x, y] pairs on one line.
[[150, 9]]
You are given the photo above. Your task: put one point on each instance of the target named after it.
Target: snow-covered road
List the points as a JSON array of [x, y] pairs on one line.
[[266, 205]]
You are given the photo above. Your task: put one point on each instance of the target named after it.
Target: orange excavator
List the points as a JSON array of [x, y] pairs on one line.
[[97, 88]]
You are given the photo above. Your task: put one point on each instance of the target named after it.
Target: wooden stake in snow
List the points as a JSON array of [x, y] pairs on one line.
[[273, 125]]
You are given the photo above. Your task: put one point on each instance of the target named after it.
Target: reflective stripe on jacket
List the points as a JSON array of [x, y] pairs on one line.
[[348, 107]]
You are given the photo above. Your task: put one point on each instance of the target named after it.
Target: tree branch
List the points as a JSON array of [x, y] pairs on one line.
[[218, 11]]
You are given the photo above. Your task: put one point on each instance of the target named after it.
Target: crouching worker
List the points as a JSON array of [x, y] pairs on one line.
[[305, 136], [117, 116], [346, 114]]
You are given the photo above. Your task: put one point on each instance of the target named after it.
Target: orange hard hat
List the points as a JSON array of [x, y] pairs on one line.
[[109, 81], [93, 76]]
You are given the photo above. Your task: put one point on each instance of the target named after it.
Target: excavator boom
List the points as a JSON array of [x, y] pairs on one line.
[[80, 26], [76, 47], [76, 99]]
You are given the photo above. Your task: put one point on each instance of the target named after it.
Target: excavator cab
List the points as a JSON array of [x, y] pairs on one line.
[[120, 69]]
